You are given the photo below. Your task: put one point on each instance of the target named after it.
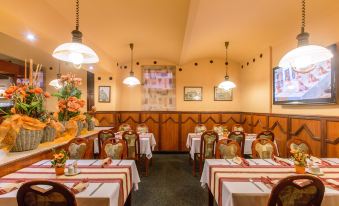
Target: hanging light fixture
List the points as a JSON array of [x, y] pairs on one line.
[[131, 80], [226, 84], [76, 52], [56, 82], [302, 58]]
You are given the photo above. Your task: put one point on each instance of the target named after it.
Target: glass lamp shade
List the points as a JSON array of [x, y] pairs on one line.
[[226, 84], [301, 58], [55, 83], [131, 80], [76, 53]]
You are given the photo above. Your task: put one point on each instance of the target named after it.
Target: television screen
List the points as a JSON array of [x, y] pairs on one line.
[[317, 86]]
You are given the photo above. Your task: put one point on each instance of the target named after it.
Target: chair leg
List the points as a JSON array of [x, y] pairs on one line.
[[146, 165], [189, 157], [210, 198], [193, 171], [200, 165]]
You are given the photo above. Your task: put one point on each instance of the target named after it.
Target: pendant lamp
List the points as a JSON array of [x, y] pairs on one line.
[[131, 80], [226, 84], [76, 52], [56, 82], [305, 55]]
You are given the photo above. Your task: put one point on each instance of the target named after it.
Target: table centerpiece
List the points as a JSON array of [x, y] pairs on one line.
[[59, 162], [300, 162]]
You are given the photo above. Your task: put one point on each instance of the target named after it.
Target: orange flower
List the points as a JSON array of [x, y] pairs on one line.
[[47, 95], [31, 91], [11, 89], [13, 111], [38, 90]]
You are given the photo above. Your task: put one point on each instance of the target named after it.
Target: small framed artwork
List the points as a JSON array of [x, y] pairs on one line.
[[104, 94], [192, 93], [223, 95]]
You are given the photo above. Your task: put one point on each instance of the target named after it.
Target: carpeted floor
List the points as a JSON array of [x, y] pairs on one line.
[[170, 182]]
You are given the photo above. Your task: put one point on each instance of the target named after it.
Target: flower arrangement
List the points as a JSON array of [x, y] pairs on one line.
[[59, 159], [69, 102], [299, 157]]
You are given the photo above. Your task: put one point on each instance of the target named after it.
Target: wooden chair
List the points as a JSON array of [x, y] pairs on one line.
[[237, 128], [78, 148], [114, 148], [142, 128], [102, 136], [266, 134], [124, 127], [200, 128], [300, 144], [133, 144], [227, 149], [288, 192], [263, 148], [219, 128], [30, 195], [239, 137], [207, 147]]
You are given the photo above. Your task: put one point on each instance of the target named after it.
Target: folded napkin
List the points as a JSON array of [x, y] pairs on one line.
[[282, 161], [106, 162], [268, 182], [79, 186], [239, 160], [10, 187]]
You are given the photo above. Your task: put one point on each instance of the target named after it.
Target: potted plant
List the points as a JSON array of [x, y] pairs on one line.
[[69, 103], [300, 162], [59, 161]]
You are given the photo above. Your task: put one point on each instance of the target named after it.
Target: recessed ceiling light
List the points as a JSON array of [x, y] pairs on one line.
[[30, 37], [90, 67]]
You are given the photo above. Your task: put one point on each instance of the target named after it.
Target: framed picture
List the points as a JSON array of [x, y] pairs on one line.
[[192, 93], [223, 95], [104, 94]]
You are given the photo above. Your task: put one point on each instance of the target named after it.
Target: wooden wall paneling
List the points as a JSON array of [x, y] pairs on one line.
[[230, 119], [247, 122], [131, 118], [152, 121], [188, 122], [332, 139], [105, 119], [308, 130], [259, 123], [210, 119], [278, 125], [169, 139]]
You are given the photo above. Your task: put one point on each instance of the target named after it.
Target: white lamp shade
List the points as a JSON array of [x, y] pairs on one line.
[[301, 58], [55, 83], [75, 53], [131, 81], [226, 85]]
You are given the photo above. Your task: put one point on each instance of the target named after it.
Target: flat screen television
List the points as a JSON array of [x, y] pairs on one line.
[[318, 86]]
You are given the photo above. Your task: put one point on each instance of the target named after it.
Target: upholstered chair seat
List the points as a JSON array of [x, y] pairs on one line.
[[299, 144], [266, 134], [227, 149], [263, 148], [133, 144], [78, 148], [113, 148]]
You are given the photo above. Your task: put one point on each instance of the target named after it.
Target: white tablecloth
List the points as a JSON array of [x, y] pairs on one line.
[[193, 142], [147, 143], [106, 194], [236, 193]]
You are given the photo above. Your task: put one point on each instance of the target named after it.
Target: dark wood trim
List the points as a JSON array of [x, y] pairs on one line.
[[323, 136]]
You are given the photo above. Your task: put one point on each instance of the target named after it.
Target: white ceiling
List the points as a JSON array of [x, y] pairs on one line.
[[177, 31]]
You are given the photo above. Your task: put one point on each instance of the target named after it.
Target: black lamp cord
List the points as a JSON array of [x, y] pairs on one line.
[[77, 19], [131, 46], [226, 58], [303, 15]]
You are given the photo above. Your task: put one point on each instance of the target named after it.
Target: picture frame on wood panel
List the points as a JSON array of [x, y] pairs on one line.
[[192, 93], [222, 94], [104, 94]]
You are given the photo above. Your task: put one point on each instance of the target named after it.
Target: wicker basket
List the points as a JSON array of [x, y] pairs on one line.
[[80, 126], [27, 140], [49, 134], [91, 125]]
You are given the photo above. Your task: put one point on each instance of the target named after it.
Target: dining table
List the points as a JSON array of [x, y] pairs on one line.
[[194, 139], [233, 184], [107, 186]]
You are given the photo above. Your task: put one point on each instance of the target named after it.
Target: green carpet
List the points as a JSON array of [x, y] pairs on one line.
[[170, 182]]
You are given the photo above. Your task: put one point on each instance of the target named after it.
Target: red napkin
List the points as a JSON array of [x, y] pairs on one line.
[[10, 187], [280, 162], [79, 186], [106, 162], [245, 162]]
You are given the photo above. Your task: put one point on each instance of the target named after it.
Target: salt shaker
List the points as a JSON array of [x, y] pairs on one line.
[[70, 169]]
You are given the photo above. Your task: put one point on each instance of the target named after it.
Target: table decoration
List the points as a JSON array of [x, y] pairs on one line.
[[59, 161], [22, 129], [70, 103], [91, 121], [300, 162]]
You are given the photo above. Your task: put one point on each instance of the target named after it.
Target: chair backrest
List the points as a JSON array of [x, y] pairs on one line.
[[300, 190], [200, 128], [103, 135], [237, 128], [113, 148], [239, 137], [142, 128], [30, 194], [219, 128], [133, 144], [227, 149], [124, 127], [78, 148], [266, 134], [207, 144], [295, 143], [263, 148]]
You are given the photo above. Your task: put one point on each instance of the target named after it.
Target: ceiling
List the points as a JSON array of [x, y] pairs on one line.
[[177, 31]]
